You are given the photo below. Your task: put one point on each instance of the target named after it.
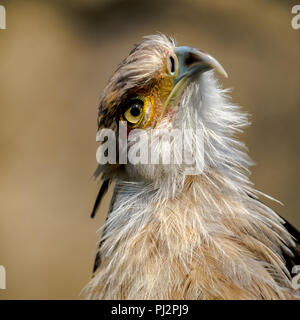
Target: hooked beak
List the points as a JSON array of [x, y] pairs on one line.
[[191, 62]]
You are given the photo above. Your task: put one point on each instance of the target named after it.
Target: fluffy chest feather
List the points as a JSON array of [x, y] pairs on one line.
[[199, 245]]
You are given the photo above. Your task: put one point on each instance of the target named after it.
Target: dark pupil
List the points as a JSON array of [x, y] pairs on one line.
[[135, 110]]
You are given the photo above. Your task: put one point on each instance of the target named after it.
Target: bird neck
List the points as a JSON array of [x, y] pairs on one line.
[[204, 243]]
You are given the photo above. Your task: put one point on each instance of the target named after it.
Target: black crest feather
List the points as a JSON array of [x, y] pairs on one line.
[[101, 193]]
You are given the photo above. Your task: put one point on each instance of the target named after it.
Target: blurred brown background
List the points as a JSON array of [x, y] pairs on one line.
[[56, 57]]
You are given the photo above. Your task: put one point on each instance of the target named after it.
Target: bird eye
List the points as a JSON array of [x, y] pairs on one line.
[[134, 113], [172, 65]]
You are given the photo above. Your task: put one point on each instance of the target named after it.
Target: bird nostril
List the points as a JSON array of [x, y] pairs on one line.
[[172, 64]]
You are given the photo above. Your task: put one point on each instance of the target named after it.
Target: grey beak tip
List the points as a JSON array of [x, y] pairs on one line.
[[204, 57]]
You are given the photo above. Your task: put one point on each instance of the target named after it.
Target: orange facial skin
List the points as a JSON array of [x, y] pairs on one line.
[[154, 97]]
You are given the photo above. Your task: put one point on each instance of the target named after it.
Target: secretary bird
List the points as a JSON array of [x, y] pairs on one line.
[[182, 230]]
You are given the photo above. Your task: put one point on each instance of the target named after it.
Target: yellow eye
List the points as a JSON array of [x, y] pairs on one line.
[[135, 113]]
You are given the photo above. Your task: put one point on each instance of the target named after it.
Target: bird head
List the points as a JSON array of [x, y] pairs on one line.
[[164, 86], [148, 84]]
